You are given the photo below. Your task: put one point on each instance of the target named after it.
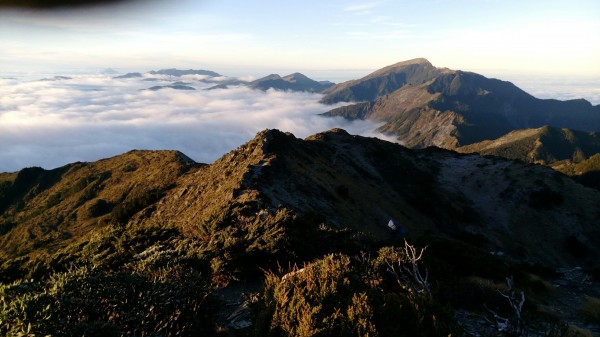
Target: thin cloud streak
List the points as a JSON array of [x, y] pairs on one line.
[[363, 8]]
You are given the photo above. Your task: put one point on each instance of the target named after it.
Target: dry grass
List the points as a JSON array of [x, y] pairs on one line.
[[56, 208]]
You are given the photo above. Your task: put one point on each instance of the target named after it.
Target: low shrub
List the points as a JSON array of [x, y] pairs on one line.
[[340, 296], [92, 302]]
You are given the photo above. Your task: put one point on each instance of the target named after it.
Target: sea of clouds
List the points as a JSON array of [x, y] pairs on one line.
[[51, 122]]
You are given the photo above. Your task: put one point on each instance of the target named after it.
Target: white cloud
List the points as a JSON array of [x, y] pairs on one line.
[[362, 8], [52, 123], [86, 118]]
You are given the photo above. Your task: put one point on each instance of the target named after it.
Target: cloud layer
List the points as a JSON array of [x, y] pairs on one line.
[[86, 118], [51, 123]]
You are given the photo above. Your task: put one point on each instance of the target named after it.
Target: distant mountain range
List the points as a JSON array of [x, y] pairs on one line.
[[56, 78], [130, 75], [292, 82], [171, 72], [423, 106], [172, 86], [427, 106], [179, 73], [227, 83]]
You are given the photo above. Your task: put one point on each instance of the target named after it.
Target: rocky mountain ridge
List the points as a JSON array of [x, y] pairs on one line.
[[545, 145], [292, 82], [45, 210], [427, 106], [149, 233], [330, 174]]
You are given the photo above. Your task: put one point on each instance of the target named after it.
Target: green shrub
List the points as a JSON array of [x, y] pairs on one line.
[[340, 296], [90, 302], [311, 301]]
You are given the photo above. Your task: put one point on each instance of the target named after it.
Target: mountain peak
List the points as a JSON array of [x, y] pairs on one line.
[[296, 77], [268, 135], [271, 77], [383, 81], [330, 134], [419, 60], [419, 63], [292, 82]]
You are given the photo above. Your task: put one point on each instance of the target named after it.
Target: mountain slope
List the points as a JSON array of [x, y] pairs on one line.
[[344, 181], [360, 183], [292, 82], [382, 82], [545, 145], [130, 75], [423, 106], [44, 210], [172, 236], [574, 153]]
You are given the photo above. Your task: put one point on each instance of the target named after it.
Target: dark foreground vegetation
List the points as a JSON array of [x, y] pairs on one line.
[[289, 237], [154, 282]]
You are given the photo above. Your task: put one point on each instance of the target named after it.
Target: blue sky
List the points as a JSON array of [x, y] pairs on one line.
[[320, 37]]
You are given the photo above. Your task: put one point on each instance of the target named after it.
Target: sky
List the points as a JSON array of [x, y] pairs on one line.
[[548, 48], [325, 39]]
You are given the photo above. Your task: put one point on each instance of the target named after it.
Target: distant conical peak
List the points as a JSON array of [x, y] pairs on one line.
[[420, 60], [420, 63], [417, 61], [295, 77]]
